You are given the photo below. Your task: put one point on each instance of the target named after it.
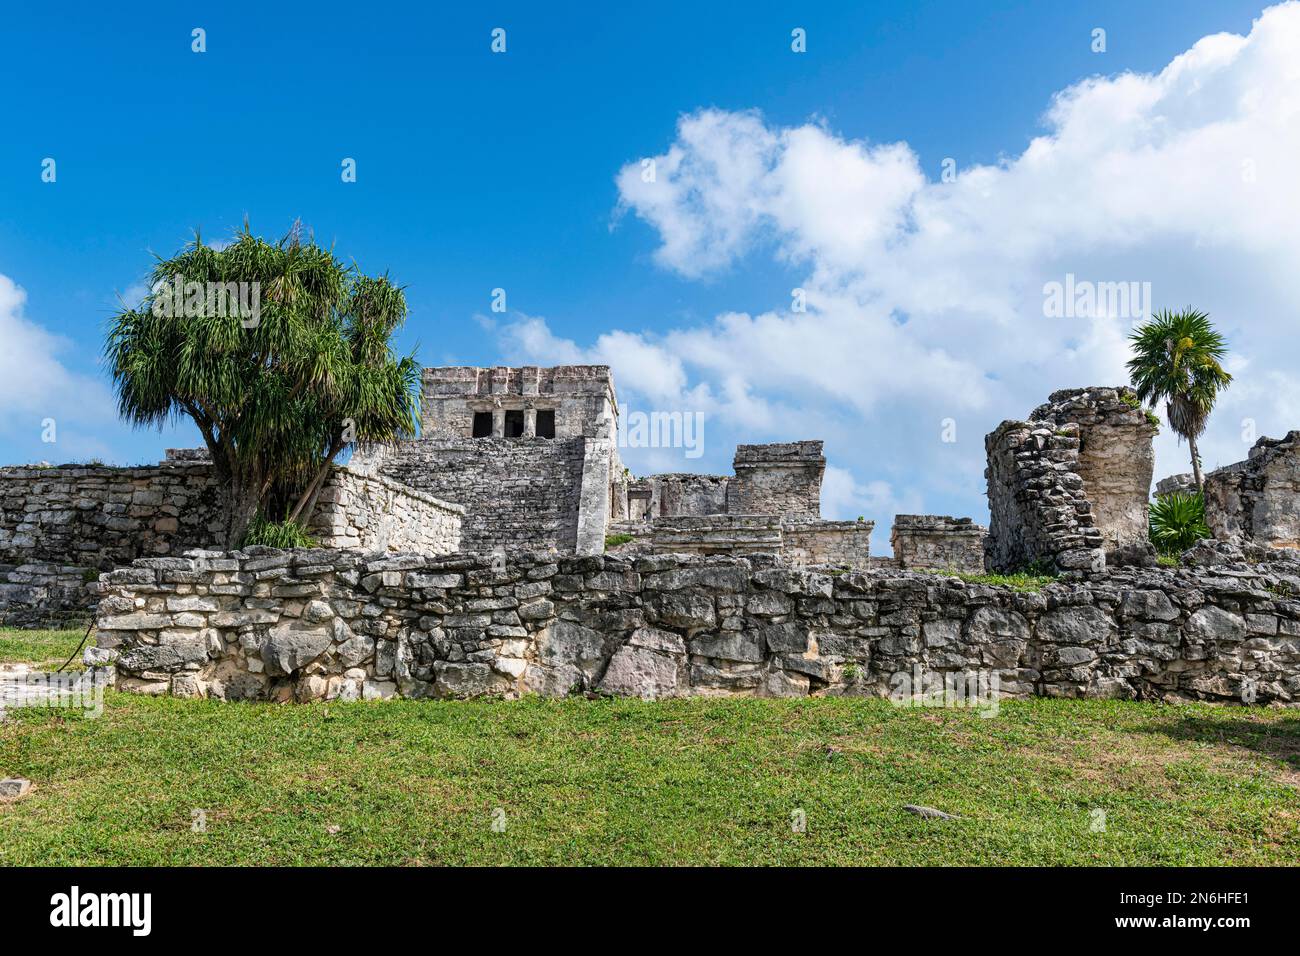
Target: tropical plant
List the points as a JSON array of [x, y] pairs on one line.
[[1177, 359], [278, 534], [1129, 398], [277, 393], [1177, 521]]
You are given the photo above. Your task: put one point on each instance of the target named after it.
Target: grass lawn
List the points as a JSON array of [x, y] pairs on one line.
[[674, 782], [41, 648]]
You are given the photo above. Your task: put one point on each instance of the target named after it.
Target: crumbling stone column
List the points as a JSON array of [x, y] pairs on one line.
[[1116, 463], [1069, 487]]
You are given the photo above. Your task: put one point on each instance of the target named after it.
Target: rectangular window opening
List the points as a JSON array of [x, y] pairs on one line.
[[482, 424], [515, 423], [546, 423]]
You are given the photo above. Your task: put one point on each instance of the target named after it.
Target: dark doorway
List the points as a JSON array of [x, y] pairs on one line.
[[546, 424], [482, 424], [514, 424]]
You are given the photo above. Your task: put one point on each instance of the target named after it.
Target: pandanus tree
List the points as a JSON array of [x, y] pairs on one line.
[[1177, 359], [279, 353]]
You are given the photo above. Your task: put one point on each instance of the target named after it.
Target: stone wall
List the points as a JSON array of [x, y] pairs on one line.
[[671, 495], [518, 493], [581, 398], [60, 526], [46, 595], [1258, 500], [777, 479], [98, 516], [717, 534], [938, 541], [373, 513], [840, 544], [1184, 483], [326, 624], [793, 542]]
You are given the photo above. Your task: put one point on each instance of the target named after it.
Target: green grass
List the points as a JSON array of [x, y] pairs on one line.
[[40, 648], [614, 540], [1024, 581], [702, 781]]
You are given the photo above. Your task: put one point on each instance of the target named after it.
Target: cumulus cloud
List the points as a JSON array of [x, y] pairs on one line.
[[36, 388], [925, 317]]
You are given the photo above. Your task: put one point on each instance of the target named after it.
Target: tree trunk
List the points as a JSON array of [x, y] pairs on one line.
[[1196, 464], [239, 507], [306, 505]]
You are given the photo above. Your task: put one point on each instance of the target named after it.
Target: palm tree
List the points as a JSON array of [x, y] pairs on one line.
[[277, 397], [1176, 358]]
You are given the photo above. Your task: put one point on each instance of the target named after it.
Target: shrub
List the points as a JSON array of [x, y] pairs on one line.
[[1177, 521], [1132, 401], [278, 534]]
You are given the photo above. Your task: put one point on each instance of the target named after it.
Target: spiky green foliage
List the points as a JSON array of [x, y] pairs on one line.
[[279, 399], [278, 534], [1177, 359], [1177, 521]]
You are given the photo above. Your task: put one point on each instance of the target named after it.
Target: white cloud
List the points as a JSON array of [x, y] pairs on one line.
[[925, 298], [35, 386]]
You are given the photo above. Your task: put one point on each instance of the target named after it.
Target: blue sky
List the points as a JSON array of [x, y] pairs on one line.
[[478, 170]]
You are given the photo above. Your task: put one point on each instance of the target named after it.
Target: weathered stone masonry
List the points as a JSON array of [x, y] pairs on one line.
[[97, 516], [938, 541], [61, 526], [326, 624], [1068, 488], [372, 513], [677, 495], [1258, 499], [1116, 460], [529, 453], [517, 493], [777, 479]]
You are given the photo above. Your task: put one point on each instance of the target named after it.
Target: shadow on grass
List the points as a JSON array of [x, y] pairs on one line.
[[1278, 740]]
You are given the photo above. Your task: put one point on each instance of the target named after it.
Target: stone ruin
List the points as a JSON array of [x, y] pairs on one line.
[[1068, 488], [468, 562], [939, 542], [508, 459], [770, 505], [61, 526], [1184, 483], [1258, 500]]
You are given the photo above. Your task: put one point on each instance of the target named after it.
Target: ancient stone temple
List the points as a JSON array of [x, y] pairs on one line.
[[770, 505], [530, 453]]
